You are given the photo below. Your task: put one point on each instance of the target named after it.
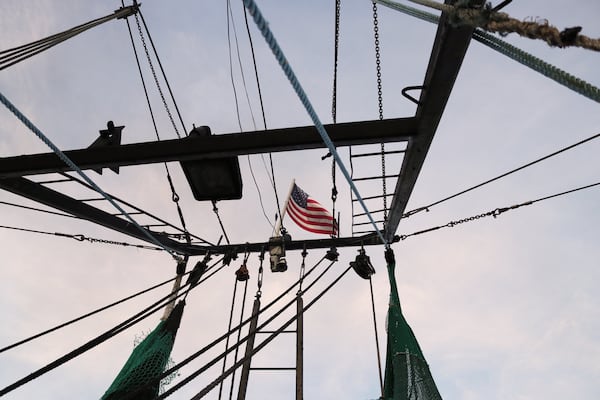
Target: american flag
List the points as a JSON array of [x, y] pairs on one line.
[[308, 214]]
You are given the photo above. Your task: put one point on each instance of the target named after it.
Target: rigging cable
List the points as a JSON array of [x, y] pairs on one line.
[[39, 209], [427, 207], [139, 211], [496, 212], [262, 108], [235, 284], [89, 314], [174, 195], [81, 238], [210, 386], [101, 338], [548, 70], [255, 350], [239, 335], [247, 321], [230, 27], [263, 26], [74, 167], [20, 53], [376, 336]]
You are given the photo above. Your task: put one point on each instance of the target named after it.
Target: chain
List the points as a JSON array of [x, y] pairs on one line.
[[261, 257], [302, 270], [494, 213], [380, 104], [335, 57], [334, 191], [162, 96], [95, 240]]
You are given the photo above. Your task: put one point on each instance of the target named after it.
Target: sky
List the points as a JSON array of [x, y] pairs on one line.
[[502, 307]]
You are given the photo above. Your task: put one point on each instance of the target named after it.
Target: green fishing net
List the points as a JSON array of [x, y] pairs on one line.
[[138, 379], [407, 375]]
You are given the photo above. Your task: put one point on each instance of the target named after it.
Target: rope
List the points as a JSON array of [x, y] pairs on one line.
[[556, 74], [74, 167], [502, 23], [376, 337], [496, 212], [263, 26], [426, 208]]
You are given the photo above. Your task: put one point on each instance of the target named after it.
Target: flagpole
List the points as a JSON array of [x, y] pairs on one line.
[[277, 228]]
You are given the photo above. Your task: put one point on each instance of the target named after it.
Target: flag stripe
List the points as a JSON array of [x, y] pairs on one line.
[[309, 214]]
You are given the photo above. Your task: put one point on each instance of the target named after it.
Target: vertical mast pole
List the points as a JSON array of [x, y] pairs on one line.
[[284, 210]]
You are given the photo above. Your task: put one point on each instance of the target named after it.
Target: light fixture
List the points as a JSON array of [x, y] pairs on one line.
[[213, 178]]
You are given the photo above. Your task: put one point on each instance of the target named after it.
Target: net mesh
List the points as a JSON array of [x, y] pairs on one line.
[[138, 379], [407, 375]]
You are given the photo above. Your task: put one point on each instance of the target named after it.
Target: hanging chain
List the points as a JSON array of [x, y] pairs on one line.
[[302, 270], [380, 104], [334, 191], [162, 96], [261, 257]]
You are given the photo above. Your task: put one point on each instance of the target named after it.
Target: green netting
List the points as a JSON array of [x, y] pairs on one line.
[[138, 379], [407, 374]]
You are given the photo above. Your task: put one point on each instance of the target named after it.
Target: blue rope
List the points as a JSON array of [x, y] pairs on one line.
[[75, 168], [548, 70], [272, 42]]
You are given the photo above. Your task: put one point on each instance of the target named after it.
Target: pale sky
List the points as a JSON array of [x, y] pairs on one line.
[[503, 308]]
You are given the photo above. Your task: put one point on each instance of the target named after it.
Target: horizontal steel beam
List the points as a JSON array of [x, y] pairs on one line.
[[41, 194], [448, 52], [215, 146], [370, 239]]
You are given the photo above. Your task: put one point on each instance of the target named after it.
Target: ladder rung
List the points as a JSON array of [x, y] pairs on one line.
[[375, 177], [370, 212], [374, 197], [363, 232], [129, 213], [272, 369], [367, 223], [378, 153], [53, 181], [275, 332]]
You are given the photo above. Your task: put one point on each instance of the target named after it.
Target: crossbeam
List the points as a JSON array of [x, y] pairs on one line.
[[449, 49], [215, 146]]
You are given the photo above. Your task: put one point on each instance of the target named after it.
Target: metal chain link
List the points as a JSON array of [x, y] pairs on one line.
[[334, 191], [162, 96], [261, 257], [380, 104]]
